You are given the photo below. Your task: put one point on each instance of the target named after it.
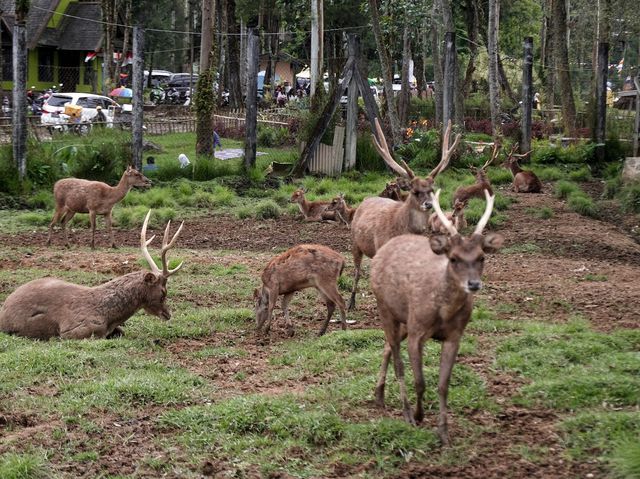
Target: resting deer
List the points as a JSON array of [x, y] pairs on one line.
[[73, 195], [48, 307], [523, 181], [465, 193], [394, 190], [342, 211], [424, 289], [377, 220], [456, 217], [303, 266], [311, 210]]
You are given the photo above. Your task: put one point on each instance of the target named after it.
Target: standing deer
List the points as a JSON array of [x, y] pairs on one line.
[[523, 181], [342, 211], [48, 307], [456, 217], [303, 266], [311, 210], [377, 220], [74, 195], [424, 289], [465, 193]]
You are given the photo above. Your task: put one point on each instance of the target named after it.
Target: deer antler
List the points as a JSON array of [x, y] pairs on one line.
[[494, 154], [446, 151], [166, 246], [435, 200], [380, 143], [487, 213]]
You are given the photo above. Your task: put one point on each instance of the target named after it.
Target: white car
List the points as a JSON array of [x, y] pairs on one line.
[[54, 106]]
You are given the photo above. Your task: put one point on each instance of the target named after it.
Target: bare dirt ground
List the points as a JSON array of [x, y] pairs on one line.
[[552, 270]]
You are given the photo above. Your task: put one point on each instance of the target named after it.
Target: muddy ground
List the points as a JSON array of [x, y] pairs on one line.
[[551, 270]]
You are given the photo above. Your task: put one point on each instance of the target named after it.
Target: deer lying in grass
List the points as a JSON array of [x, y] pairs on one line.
[[342, 211], [377, 220], [303, 266], [456, 217], [73, 195], [394, 190], [49, 307], [424, 289], [311, 210], [523, 181], [465, 193]]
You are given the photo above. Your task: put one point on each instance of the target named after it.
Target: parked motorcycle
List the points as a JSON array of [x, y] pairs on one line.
[[157, 95]]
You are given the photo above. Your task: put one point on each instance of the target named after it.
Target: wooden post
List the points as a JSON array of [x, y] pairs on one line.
[[351, 133], [636, 130], [317, 42], [527, 95], [251, 122], [20, 97], [449, 78], [137, 84], [601, 99]]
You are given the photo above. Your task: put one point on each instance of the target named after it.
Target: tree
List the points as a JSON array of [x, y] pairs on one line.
[[204, 100], [19, 136], [492, 46], [561, 57]]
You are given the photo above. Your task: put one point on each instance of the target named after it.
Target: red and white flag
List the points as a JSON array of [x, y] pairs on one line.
[[128, 59], [90, 56]]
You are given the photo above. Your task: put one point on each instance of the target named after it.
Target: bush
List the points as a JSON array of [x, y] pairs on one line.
[[269, 136], [565, 188], [367, 158], [267, 209], [630, 197], [582, 204], [581, 174], [244, 212], [43, 199]]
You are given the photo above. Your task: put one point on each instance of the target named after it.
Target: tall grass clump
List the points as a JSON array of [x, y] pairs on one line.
[[367, 158], [267, 209], [582, 204], [625, 459], [22, 466], [564, 188], [629, 196]]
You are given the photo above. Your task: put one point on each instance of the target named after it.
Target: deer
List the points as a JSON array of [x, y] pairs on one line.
[[523, 181], [311, 210], [47, 308], [342, 211], [377, 220], [456, 217], [465, 193], [303, 266], [394, 190], [424, 288], [75, 195]]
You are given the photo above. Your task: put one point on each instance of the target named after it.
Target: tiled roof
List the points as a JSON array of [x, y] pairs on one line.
[[39, 15]]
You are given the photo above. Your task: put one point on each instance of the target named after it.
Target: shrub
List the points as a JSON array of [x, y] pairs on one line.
[[582, 204], [267, 209], [367, 158], [565, 188], [43, 199], [581, 174], [244, 212], [630, 197]]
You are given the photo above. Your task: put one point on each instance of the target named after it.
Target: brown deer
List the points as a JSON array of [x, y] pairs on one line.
[[74, 195], [303, 266], [48, 307], [396, 190], [377, 220], [456, 217], [342, 211], [311, 210], [523, 181], [465, 193], [424, 289]]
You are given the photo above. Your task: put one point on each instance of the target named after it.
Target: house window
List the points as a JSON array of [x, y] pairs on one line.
[[45, 65]]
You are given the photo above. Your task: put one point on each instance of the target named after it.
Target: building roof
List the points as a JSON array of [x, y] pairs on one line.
[[40, 12]]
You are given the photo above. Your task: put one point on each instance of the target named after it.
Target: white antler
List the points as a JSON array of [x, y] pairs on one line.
[[487, 213], [446, 151], [435, 200], [380, 142], [166, 246]]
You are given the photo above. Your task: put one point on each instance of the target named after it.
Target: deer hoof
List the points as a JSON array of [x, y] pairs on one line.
[[443, 434], [379, 396], [418, 416], [409, 418], [116, 333]]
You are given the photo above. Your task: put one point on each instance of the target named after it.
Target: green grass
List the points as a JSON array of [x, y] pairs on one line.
[[543, 213], [23, 466], [565, 188]]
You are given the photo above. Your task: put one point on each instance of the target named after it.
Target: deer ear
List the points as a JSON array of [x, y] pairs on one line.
[[492, 242], [150, 278], [439, 244]]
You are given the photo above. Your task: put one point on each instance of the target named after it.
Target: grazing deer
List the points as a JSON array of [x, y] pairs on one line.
[[303, 266], [73, 195], [377, 220], [523, 181], [342, 211], [465, 193], [456, 217], [48, 307], [311, 210], [424, 289]]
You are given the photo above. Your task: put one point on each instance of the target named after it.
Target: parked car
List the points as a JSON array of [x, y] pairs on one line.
[[158, 77], [53, 107], [178, 89]]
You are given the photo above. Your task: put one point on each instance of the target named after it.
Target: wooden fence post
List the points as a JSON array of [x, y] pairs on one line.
[[138, 99], [19, 97], [251, 122], [449, 78], [527, 95], [601, 99]]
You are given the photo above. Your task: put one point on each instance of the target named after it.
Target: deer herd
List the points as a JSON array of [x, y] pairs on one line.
[[424, 271]]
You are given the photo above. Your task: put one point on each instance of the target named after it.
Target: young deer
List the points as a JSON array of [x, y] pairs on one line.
[[311, 210], [424, 289], [377, 220], [465, 193], [48, 307], [523, 181], [73, 195], [393, 190], [342, 211], [456, 217], [303, 266]]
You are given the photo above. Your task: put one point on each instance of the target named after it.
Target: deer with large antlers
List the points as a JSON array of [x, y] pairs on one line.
[[342, 210], [48, 307], [424, 289], [465, 193], [377, 220], [74, 195], [523, 181], [311, 210]]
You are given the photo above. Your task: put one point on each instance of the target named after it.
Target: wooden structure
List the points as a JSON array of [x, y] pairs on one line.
[[328, 159]]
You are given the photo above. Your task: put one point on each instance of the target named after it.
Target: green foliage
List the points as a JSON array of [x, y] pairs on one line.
[[545, 153], [565, 188], [269, 136], [133, 216], [629, 196], [423, 150], [42, 199], [581, 174], [367, 158], [267, 209], [582, 204], [626, 459], [543, 213], [22, 466]]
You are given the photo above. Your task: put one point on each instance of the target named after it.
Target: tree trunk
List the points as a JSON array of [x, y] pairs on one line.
[[137, 84], [225, 58], [317, 44], [492, 46], [108, 12], [251, 120], [437, 61], [19, 137], [405, 93], [235, 58], [125, 41], [561, 54], [472, 21], [205, 97], [504, 81], [547, 70]]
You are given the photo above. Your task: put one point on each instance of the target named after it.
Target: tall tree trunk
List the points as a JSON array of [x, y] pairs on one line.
[[225, 58], [137, 83], [19, 136], [205, 97], [561, 54], [472, 20], [387, 72], [437, 60], [317, 45], [108, 11], [235, 58], [405, 93], [547, 69], [504, 81], [492, 46], [125, 41]]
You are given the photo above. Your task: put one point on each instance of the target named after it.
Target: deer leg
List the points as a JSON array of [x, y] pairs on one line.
[[285, 308], [56, 217], [65, 219], [108, 222], [415, 357], [273, 297], [382, 377], [334, 298], [447, 360], [331, 307], [92, 220], [357, 263]]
